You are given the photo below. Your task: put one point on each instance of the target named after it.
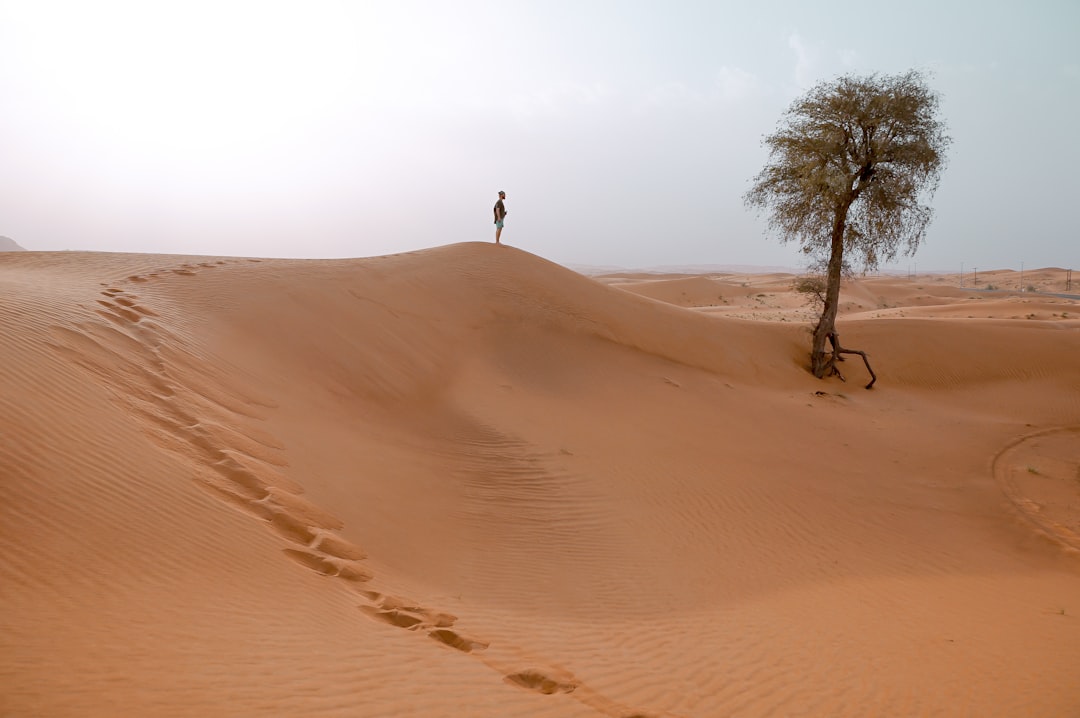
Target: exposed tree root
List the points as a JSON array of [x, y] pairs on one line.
[[837, 351]]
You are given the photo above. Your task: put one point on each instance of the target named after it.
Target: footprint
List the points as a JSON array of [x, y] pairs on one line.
[[391, 602], [253, 508], [435, 619], [248, 484], [541, 683], [393, 616], [113, 317], [312, 561], [443, 620], [328, 567], [457, 641], [290, 528], [134, 306], [161, 388], [336, 546], [284, 495], [352, 572]]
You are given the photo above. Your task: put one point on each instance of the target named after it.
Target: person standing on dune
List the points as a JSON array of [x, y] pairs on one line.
[[500, 215]]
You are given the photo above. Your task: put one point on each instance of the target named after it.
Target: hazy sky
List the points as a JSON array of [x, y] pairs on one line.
[[624, 133]]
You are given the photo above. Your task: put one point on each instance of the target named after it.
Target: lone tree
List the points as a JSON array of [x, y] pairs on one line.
[[852, 168]]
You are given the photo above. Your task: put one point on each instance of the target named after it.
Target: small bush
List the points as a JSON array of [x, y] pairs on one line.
[[809, 285], [812, 287]]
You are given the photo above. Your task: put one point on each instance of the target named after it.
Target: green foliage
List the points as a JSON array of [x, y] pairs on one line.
[[812, 286], [851, 170], [809, 285], [864, 152]]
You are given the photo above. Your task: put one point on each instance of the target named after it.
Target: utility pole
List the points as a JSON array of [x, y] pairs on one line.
[[975, 282], [1021, 276], [1068, 280], [961, 275]]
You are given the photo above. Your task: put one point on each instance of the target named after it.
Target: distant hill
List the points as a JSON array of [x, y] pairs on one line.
[[7, 244]]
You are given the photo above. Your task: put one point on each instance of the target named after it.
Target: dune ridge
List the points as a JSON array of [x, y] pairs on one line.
[[465, 480]]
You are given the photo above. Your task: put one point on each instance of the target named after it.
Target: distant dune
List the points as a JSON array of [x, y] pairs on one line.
[[694, 269], [7, 244], [466, 481]]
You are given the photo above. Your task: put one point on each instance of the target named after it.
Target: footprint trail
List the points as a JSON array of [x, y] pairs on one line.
[[209, 421]]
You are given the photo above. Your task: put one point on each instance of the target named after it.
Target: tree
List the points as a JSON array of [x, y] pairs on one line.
[[852, 167]]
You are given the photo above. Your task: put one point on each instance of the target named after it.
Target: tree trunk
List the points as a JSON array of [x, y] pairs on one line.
[[820, 362]]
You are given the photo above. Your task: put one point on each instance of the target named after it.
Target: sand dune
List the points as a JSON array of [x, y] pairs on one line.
[[7, 244], [468, 481]]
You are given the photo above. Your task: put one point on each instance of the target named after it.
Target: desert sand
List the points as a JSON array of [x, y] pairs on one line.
[[466, 481]]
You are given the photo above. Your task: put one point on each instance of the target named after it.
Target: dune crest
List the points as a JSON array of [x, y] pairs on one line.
[[7, 244], [466, 480]]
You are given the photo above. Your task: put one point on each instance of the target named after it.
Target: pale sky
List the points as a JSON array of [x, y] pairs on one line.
[[624, 133]]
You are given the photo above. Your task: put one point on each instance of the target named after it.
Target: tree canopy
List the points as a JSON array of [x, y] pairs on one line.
[[852, 168]]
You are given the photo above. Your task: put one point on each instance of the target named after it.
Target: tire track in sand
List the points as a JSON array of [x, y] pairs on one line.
[[1040, 474]]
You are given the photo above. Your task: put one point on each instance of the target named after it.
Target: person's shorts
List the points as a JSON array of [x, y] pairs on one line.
[[499, 224]]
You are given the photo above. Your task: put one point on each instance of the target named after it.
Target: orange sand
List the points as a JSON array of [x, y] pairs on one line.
[[465, 481]]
